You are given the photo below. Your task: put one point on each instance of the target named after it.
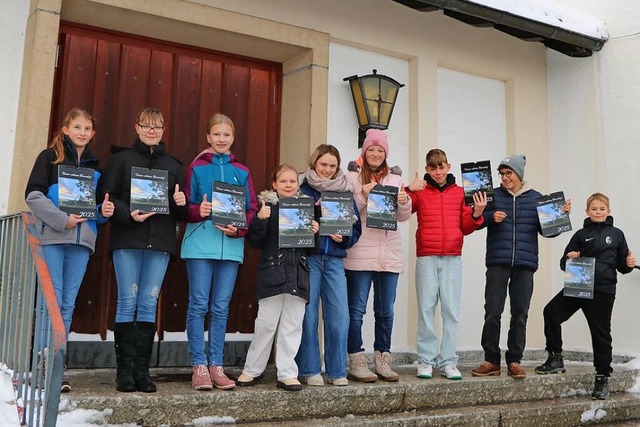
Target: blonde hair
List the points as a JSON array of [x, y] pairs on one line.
[[598, 197], [57, 141], [150, 115], [282, 169], [220, 119]]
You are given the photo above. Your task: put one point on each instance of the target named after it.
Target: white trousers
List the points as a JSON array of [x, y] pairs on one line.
[[279, 317]]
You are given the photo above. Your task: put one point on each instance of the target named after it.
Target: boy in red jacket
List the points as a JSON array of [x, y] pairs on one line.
[[443, 221]]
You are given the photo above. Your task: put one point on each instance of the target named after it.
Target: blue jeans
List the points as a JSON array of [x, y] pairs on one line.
[[384, 296], [438, 279], [67, 264], [211, 284], [139, 273], [327, 282]]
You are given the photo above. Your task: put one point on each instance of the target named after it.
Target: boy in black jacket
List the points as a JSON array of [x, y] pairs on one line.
[[597, 239]]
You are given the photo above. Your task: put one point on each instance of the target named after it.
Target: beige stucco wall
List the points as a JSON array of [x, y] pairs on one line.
[[297, 33], [429, 41]]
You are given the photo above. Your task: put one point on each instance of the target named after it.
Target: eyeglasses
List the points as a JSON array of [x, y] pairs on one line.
[[147, 128], [505, 173]]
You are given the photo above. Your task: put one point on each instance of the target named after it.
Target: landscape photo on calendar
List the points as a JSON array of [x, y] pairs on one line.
[[149, 190], [476, 177], [294, 222], [382, 207], [77, 191], [579, 277], [337, 213], [228, 204], [553, 219]]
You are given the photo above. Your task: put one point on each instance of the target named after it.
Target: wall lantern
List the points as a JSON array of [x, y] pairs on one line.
[[374, 97]]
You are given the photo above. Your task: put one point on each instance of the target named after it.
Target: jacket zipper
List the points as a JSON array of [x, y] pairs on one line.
[[513, 234], [221, 179]]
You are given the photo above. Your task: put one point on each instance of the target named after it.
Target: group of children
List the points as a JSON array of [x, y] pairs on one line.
[[338, 271], [512, 224]]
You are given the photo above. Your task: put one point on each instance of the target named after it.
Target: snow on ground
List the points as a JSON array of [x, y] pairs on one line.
[[207, 421], [71, 416], [634, 364], [551, 13], [8, 407], [595, 413]]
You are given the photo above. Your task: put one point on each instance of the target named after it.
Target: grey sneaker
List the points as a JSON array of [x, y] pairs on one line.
[[383, 367], [359, 368]]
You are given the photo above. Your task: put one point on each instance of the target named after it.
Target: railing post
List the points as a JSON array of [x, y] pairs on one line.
[[32, 334]]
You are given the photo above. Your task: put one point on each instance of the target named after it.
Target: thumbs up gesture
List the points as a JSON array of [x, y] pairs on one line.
[[403, 197], [417, 184], [631, 260], [265, 211], [205, 207], [178, 197], [107, 207]]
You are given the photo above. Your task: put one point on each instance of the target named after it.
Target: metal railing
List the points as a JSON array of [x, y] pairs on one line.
[[32, 335]]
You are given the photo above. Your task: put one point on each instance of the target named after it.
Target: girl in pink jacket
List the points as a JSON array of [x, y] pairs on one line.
[[376, 258]]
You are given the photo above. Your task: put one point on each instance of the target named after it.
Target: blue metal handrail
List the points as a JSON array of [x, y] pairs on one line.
[[32, 335]]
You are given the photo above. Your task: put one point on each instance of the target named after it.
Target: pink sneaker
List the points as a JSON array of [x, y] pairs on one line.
[[200, 378], [219, 379]]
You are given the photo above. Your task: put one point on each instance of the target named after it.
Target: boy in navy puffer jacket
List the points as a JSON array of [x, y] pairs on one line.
[[513, 226]]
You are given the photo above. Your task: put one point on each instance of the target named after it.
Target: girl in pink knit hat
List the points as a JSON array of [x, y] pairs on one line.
[[376, 258]]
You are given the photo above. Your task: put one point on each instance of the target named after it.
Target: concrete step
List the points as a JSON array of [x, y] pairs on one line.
[[563, 412], [540, 400]]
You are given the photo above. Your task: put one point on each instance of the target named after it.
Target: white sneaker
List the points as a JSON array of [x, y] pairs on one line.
[[338, 381], [315, 380], [452, 373], [425, 371]]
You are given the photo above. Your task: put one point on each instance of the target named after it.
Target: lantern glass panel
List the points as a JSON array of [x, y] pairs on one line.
[[359, 102]]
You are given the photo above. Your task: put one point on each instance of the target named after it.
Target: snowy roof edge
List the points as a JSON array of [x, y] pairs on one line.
[[558, 27], [551, 13]]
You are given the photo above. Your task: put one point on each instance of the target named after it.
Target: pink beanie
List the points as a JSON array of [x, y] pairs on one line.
[[375, 137]]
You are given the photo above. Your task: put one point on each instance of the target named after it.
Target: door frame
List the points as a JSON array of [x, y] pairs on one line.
[[303, 53]]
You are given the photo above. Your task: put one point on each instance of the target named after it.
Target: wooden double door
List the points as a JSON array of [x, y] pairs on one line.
[[116, 75]]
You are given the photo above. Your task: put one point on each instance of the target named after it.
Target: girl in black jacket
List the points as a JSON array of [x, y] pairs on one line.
[[141, 245], [283, 288], [67, 239]]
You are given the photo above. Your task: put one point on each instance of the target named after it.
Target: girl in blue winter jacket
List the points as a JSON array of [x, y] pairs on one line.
[[212, 253]]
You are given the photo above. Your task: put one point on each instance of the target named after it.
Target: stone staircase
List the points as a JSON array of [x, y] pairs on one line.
[[538, 400]]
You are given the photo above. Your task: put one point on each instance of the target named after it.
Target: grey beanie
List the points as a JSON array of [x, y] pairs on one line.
[[516, 163]]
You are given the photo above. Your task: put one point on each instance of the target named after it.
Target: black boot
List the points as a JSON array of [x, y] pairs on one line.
[[124, 334], [553, 365], [601, 388], [145, 332]]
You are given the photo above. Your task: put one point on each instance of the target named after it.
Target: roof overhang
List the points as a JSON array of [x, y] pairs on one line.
[[557, 37]]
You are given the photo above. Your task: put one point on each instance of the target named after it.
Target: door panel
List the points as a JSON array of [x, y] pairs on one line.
[[114, 76]]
